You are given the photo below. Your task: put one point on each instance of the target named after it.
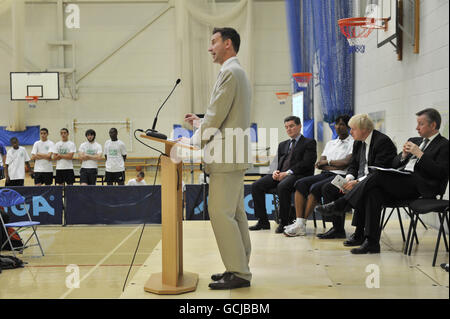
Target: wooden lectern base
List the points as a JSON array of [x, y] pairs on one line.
[[188, 282]]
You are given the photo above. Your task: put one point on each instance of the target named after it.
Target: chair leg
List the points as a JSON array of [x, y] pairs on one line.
[[382, 218], [37, 239], [441, 228], [414, 233], [445, 238], [448, 227], [390, 214], [314, 219], [409, 238], [411, 215], [401, 223], [277, 209], [423, 224], [323, 223]]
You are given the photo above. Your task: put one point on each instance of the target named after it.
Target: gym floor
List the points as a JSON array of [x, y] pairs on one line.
[[282, 267]]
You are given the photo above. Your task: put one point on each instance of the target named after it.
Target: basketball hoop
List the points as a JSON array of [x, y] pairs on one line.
[[302, 78], [32, 101], [356, 30], [282, 97]]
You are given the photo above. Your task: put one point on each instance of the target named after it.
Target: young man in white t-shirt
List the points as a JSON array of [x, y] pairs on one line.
[[63, 155], [115, 154], [42, 155], [89, 153], [16, 159], [139, 180]]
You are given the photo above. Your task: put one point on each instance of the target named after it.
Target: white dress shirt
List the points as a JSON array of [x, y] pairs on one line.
[[338, 149], [368, 140]]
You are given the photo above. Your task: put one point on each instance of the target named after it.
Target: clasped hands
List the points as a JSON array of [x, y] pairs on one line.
[[279, 176], [411, 148], [321, 163]]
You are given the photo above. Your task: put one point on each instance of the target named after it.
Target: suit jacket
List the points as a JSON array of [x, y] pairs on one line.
[[432, 169], [381, 153], [228, 112], [303, 158]]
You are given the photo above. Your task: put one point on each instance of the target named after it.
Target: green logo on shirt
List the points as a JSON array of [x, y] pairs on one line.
[[113, 152]]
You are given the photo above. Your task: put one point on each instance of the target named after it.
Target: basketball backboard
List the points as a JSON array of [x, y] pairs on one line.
[[44, 85], [387, 9]]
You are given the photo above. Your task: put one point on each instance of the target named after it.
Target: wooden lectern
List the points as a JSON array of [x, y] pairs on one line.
[[172, 280]]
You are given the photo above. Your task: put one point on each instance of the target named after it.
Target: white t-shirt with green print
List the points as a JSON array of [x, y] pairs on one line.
[[90, 149], [43, 165], [64, 148], [114, 152], [15, 159]]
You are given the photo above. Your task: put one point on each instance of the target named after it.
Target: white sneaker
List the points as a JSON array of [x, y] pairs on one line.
[[296, 230], [290, 226]]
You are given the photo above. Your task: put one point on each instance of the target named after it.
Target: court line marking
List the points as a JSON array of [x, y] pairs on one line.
[[100, 262], [85, 265]]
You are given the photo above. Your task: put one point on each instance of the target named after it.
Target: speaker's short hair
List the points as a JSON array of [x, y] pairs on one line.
[[229, 33], [361, 121], [433, 116]]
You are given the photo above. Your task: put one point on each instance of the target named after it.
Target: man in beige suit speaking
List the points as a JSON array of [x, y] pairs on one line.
[[227, 115]]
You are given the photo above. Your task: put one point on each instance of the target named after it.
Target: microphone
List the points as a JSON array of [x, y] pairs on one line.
[[152, 132]]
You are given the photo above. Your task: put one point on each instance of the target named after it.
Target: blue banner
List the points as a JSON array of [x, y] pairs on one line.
[[113, 204], [44, 204], [27, 137], [194, 203]]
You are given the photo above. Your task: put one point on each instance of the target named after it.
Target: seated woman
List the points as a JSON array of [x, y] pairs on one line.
[[308, 190]]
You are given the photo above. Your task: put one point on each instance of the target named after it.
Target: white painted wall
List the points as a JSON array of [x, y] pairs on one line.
[[136, 80]]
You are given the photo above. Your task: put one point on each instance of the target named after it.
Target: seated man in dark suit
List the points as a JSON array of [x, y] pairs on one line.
[[371, 148], [424, 165], [296, 158]]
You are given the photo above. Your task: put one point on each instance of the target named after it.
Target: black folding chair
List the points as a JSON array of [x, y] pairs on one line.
[[396, 205], [425, 206]]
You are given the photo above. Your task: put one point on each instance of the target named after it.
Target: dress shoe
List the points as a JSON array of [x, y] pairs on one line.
[[229, 281], [367, 248], [333, 233], [322, 234], [445, 267], [354, 240], [217, 277], [328, 210], [280, 229], [260, 225]]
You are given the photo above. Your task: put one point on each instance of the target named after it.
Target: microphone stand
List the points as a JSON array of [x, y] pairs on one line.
[[152, 132]]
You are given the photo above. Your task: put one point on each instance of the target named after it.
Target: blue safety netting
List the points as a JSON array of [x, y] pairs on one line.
[[314, 34], [302, 58]]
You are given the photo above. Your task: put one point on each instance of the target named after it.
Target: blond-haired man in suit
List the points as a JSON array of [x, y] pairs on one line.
[[228, 111]]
